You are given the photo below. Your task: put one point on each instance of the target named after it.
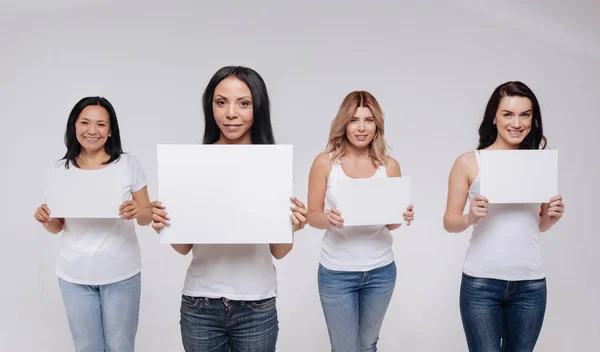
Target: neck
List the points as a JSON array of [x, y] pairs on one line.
[[359, 152], [92, 159], [501, 144], [245, 139]]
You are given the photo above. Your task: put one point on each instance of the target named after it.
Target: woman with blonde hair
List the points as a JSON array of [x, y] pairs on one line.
[[357, 273]]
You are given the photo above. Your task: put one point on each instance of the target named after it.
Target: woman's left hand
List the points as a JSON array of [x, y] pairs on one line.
[[129, 210], [409, 214], [299, 214], [556, 208]]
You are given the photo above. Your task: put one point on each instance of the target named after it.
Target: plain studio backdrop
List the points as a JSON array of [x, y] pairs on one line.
[[431, 65]]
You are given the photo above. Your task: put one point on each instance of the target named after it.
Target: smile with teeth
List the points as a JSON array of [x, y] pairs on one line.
[[92, 140], [515, 133]]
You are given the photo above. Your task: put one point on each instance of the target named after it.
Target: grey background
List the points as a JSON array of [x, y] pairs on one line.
[[432, 65]]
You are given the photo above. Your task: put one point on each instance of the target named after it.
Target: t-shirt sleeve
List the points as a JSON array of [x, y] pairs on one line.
[[138, 175]]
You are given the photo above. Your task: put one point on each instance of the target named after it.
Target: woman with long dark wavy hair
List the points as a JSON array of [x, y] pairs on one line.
[[503, 289]]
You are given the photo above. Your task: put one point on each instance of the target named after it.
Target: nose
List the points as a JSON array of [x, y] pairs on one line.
[[92, 129], [231, 112], [516, 122], [361, 126]]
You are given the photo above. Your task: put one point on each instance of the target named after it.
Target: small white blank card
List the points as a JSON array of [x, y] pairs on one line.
[[226, 193], [518, 176], [84, 193], [372, 201]]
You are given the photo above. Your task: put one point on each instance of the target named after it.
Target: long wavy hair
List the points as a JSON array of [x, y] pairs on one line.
[[488, 132], [338, 143]]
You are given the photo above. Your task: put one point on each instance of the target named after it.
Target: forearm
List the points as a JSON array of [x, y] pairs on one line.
[[144, 218], [546, 223], [280, 250], [54, 226], [182, 249], [456, 223], [318, 220]]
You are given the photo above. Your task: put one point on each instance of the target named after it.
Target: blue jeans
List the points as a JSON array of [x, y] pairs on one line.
[[105, 317], [500, 315], [223, 325], [354, 304]]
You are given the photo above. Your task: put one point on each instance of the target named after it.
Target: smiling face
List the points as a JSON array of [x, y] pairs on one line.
[[233, 111], [92, 128], [361, 128], [513, 120]]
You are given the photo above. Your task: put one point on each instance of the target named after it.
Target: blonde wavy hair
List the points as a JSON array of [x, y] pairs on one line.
[[338, 143]]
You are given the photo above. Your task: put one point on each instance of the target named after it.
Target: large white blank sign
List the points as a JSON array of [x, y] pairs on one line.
[[226, 193], [84, 193], [372, 201], [518, 176]]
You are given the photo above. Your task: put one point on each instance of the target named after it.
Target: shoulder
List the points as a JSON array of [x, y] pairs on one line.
[[392, 166], [466, 164], [129, 159], [322, 160]]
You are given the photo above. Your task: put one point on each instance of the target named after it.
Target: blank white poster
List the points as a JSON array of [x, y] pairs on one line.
[[83, 193], [226, 193], [372, 201], [518, 176]]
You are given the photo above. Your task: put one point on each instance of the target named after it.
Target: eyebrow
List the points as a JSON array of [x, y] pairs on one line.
[[512, 112], [240, 98], [368, 117]]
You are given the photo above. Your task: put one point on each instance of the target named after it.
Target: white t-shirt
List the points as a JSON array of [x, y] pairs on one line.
[[354, 248], [102, 251], [241, 272]]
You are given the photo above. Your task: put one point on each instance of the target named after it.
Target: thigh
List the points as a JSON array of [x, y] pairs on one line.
[[254, 326], [524, 315], [482, 313], [203, 325], [82, 304], [120, 303], [338, 291], [374, 298]]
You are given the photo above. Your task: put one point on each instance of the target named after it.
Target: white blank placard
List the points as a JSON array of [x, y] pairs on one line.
[[226, 193], [518, 176], [372, 201], [84, 193]]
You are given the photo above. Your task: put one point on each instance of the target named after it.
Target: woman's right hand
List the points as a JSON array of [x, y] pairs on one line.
[[42, 215], [160, 218], [478, 209], [335, 219]]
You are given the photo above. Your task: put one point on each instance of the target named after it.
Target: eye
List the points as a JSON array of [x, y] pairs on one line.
[[83, 122], [370, 119], [507, 114], [527, 114], [245, 103], [220, 102]]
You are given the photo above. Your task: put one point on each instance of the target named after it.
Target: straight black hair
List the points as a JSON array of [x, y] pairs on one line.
[[488, 132], [113, 143], [261, 131]]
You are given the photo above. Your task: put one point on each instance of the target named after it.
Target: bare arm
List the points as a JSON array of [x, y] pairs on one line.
[[551, 212], [160, 219], [458, 190], [317, 187], [144, 216], [298, 218], [52, 225], [182, 249]]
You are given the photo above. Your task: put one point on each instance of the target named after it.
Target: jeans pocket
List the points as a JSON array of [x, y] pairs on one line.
[[191, 304], [263, 305]]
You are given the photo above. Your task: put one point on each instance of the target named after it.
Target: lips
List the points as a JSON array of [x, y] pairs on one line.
[[361, 137], [91, 140], [515, 133]]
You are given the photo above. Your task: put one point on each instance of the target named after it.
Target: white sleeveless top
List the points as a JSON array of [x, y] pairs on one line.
[[505, 245], [354, 248], [241, 272]]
